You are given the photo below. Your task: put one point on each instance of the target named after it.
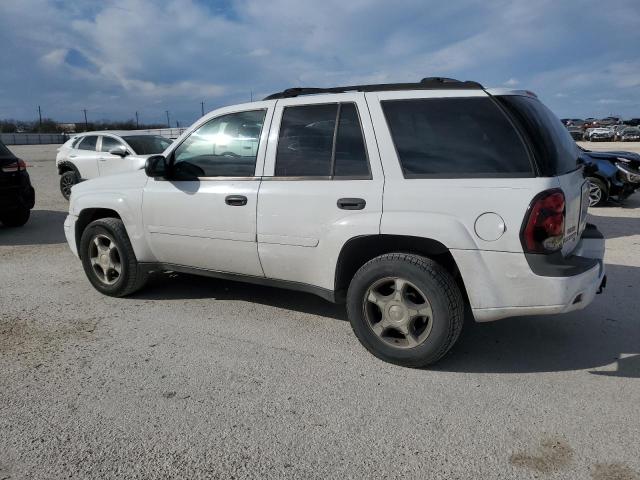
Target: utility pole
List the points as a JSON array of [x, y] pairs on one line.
[[137, 122], [177, 124], [168, 122], [39, 116], [252, 95], [86, 124], [202, 108]]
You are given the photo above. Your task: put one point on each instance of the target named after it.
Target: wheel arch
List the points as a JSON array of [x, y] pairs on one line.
[[89, 215], [359, 250], [67, 166]]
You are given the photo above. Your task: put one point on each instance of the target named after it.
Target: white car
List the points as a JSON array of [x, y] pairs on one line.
[[94, 154], [410, 202]]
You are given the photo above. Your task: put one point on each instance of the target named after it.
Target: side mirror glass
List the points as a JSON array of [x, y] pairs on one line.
[[120, 150], [156, 166]]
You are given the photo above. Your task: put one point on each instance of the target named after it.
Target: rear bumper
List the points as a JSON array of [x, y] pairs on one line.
[[70, 232], [502, 284]]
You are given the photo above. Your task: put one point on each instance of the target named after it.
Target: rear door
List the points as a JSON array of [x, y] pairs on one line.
[[322, 186], [85, 157]]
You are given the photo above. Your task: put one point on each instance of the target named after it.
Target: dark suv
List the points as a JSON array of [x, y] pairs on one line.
[[16, 193]]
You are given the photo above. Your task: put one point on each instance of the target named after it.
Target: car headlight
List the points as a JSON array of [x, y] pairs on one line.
[[627, 173]]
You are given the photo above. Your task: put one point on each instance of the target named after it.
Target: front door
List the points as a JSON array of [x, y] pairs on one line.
[[109, 164], [204, 216]]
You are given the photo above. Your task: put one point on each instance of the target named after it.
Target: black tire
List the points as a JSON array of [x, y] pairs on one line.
[[16, 218], [594, 199], [131, 277], [439, 288], [67, 180]]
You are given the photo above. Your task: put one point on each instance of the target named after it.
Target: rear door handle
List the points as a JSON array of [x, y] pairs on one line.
[[236, 200], [351, 203]]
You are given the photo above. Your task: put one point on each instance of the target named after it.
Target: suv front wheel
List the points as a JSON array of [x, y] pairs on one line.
[[405, 309], [109, 260]]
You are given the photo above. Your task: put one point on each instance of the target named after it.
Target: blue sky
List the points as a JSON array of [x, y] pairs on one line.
[[115, 57]]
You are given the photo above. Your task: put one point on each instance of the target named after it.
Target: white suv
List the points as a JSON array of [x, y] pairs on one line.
[[408, 201], [95, 154]]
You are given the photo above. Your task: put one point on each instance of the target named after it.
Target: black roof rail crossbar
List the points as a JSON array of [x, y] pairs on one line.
[[429, 83]]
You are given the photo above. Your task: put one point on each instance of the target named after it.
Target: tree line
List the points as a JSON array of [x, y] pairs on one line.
[[49, 125]]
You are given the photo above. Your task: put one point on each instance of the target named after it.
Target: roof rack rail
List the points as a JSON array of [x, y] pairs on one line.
[[428, 83]]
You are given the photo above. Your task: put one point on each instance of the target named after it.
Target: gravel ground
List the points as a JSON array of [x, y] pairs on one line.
[[199, 378]]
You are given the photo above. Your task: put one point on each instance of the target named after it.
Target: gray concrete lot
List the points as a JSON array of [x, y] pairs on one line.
[[199, 378]]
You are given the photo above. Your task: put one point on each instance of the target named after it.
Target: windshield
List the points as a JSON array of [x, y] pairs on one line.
[[554, 149], [147, 144]]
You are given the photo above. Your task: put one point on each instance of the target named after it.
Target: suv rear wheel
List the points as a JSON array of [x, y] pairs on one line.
[[405, 309], [109, 260]]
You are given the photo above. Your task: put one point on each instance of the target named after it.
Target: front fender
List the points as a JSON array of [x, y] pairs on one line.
[[123, 195]]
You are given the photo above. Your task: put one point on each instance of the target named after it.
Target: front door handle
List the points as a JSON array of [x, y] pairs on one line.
[[351, 203], [236, 200]]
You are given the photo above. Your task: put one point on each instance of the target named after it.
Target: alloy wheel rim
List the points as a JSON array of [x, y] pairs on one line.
[[595, 194], [67, 183], [105, 259], [398, 312]]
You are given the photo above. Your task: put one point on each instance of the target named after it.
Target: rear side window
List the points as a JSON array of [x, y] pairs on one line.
[[554, 148], [312, 144], [88, 143], [455, 137]]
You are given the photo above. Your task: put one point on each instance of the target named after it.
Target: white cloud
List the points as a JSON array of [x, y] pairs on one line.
[[512, 82]]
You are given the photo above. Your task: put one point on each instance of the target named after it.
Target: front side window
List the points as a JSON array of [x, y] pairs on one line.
[[455, 137], [311, 144], [147, 144], [88, 143], [108, 143], [225, 146]]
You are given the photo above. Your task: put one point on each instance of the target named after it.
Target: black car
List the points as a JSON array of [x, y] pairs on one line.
[[610, 174], [16, 193]]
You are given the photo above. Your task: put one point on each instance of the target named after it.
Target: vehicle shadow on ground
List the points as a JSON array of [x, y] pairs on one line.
[[44, 227], [605, 334], [178, 286], [616, 227]]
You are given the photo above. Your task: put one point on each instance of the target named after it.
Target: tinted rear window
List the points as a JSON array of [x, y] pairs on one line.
[[455, 137], [147, 144], [555, 150]]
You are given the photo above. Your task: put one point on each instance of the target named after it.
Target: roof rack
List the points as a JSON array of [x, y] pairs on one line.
[[429, 83]]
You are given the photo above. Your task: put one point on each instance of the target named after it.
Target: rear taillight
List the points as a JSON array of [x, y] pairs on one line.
[[14, 167], [543, 228]]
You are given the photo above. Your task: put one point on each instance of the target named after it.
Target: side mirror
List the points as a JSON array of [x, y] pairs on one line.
[[156, 166], [120, 150]]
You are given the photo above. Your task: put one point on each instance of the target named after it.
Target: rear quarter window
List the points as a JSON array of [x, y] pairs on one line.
[[556, 152], [455, 137]]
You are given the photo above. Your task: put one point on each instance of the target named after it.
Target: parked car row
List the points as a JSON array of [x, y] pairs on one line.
[[610, 129]]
